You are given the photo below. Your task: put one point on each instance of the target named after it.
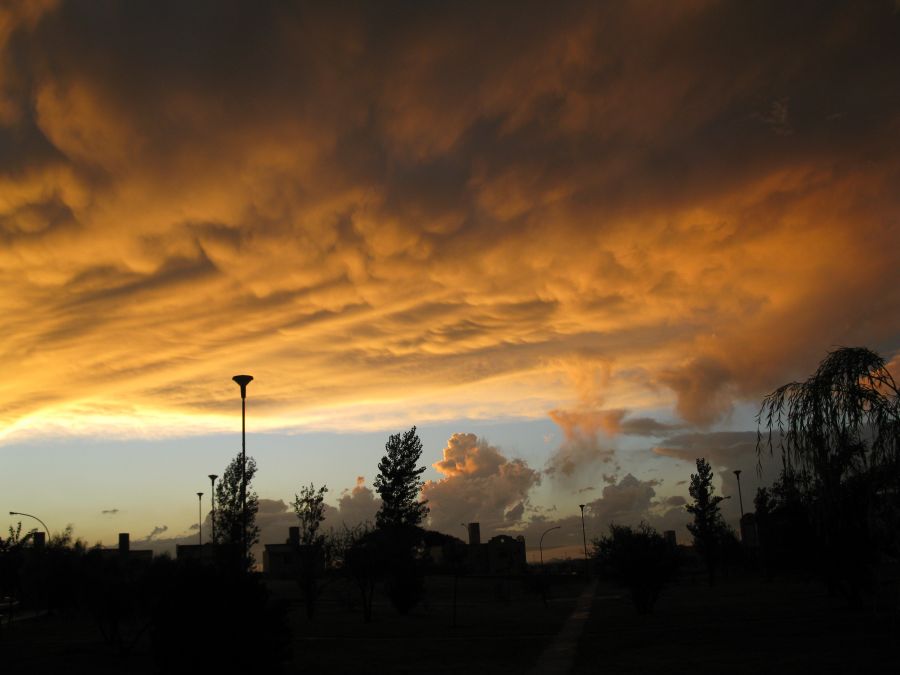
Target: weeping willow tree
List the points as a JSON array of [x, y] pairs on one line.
[[842, 421], [839, 437]]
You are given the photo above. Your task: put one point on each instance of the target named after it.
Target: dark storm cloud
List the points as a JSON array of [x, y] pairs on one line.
[[701, 193]]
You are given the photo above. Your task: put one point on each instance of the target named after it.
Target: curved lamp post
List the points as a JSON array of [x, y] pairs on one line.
[[541, 542], [212, 482], [17, 513], [200, 518], [243, 381]]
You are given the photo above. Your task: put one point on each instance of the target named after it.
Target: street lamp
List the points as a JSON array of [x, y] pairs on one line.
[[17, 513], [200, 518], [243, 381], [737, 472], [212, 482], [541, 542], [583, 534]]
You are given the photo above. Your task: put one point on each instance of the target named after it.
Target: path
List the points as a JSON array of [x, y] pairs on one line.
[[559, 657]]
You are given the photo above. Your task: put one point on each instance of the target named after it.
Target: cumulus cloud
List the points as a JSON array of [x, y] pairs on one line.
[[357, 505], [468, 194], [480, 484]]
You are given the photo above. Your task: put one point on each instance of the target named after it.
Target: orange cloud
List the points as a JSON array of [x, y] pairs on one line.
[[433, 216], [480, 485]]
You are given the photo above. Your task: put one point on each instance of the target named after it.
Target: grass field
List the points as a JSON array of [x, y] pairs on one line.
[[743, 625], [501, 627]]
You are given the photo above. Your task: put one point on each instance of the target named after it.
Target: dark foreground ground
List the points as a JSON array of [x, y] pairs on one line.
[[743, 625]]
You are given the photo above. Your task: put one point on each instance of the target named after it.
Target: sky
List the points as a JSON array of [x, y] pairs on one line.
[[574, 243]]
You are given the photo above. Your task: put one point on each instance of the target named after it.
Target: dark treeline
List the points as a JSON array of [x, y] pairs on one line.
[[217, 600], [833, 514]]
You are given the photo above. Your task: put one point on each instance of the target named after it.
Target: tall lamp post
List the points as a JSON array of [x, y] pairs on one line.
[[200, 518], [541, 542], [737, 472], [583, 533], [17, 513], [212, 482], [243, 381]]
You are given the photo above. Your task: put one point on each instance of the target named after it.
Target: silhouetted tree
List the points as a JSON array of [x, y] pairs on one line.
[[839, 433], [357, 552], [398, 482], [309, 506], [213, 620], [638, 558], [229, 513], [783, 526], [11, 562], [708, 523]]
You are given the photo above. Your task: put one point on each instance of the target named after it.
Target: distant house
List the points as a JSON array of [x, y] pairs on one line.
[[502, 555], [285, 561], [124, 550]]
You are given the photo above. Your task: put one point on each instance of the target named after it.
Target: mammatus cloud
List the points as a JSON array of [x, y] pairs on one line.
[[408, 199], [480, 485]]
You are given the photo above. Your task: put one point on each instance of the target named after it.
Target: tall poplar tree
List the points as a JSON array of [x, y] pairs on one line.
[[708, 525], [399, 482]]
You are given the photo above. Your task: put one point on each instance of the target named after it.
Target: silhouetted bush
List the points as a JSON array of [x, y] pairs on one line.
[[215, 620], [639, 559]]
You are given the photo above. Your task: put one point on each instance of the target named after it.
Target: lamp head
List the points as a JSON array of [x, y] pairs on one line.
[[213, 476], [737, 472], [199, 494], [243, 381], [581, 506]]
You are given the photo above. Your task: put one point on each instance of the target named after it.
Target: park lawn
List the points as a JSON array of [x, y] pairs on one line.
[[742, 625], [66, 642], [501, 628]]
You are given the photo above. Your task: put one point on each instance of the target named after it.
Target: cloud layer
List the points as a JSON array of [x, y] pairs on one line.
[[436, 210]]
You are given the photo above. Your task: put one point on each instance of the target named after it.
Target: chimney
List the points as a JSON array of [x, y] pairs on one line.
[[294, 536], [38, 539], [474, 534], [124, 544]]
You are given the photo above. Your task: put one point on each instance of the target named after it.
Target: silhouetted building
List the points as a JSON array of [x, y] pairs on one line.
[[285, 561], [506, 555], [124, 550], [501, 555]]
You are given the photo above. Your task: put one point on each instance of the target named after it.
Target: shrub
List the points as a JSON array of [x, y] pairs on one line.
[[639, 559]]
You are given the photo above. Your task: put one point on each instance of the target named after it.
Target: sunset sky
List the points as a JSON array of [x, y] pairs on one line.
[[575, 243]]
